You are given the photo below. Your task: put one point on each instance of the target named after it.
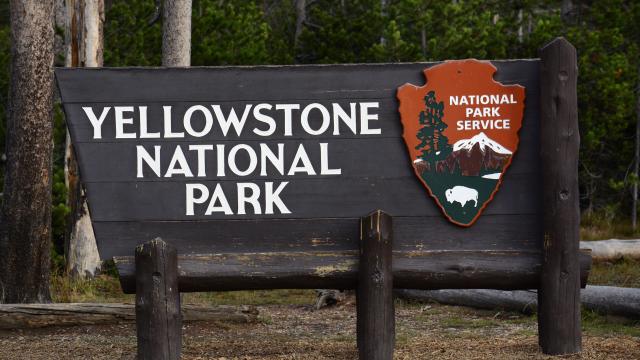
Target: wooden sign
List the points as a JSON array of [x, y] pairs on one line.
[[283, 162], [266, 177], [461, 131]]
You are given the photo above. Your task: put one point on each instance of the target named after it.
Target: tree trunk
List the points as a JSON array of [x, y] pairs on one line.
[[84, 34], [611, 250], [176, 33], [606, 300], [423, 42], [636, 160], [25, 218], [13, 316], [301, 17], [566, 10]]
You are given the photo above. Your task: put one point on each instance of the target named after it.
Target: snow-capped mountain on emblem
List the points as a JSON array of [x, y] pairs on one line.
[[461, 131], [483, 141]]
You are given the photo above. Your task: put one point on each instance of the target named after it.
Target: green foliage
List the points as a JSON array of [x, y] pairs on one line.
[[341, 32], [128, 38], [608, 63], [229, 33], [622, 272], [433, 143], [223, 33]]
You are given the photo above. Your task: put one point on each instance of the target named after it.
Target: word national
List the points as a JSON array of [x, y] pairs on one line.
[[235, 144]]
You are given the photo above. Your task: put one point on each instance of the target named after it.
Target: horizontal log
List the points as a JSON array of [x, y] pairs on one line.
[[607, 300], [19, 316], [338, 270], [524, 301], [614, 249]]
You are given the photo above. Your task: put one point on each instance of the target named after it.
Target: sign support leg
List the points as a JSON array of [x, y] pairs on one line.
[[559, 294], [158, 317], [374, 294]]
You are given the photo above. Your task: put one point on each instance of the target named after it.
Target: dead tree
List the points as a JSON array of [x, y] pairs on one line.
[[84, 48], [25, 217], [176, 33]]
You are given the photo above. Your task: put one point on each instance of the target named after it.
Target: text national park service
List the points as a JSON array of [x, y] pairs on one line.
[[199, 122]]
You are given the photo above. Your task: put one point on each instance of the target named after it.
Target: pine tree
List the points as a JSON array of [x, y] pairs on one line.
[[433, 143]]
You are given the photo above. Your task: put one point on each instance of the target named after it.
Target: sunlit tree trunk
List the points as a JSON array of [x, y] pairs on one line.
[[25, 216], [84, 48], [176, 33]]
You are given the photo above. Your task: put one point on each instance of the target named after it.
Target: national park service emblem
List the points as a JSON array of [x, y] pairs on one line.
[[461, 130]]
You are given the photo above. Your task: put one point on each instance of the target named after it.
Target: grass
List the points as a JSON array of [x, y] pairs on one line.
[[604, 225], [257, 297], [624, 273], [106, 288], [466, 318], [596, 324], [103, 289]]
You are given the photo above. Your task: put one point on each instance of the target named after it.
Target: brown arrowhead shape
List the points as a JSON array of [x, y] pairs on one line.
[[461, 131]]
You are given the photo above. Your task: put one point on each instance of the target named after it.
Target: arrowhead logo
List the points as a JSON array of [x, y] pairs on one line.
[[461, 131]]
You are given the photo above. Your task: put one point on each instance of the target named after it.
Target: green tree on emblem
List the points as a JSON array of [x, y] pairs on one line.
[[433, 143]]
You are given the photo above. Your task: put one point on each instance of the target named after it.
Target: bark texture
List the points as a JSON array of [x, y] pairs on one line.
[[613, 249], [176, 33], [301, 17], [636, 160], [25, 219], [559, 292], [26, 316], [606, 300], [84, 40]]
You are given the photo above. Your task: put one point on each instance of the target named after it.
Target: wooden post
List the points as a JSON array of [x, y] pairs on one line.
[[559, 295], [374, 295], [158, 318]]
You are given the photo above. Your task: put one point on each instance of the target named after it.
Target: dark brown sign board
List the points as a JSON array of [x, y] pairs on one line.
[[130, 204], [259, 176]]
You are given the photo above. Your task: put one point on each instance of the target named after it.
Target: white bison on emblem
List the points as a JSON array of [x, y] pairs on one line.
[[462, 194]]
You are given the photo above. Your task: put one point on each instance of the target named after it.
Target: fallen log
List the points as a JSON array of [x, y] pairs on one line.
[[477, 269], [614, 249], [524, 301], [612, 300], [16, 316], [607, 300]]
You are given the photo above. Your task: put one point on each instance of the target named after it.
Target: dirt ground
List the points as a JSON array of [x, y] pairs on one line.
[[299, 332]]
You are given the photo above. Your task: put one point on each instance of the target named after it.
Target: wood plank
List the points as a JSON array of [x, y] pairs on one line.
[[387, 110], [304, 198], [517, 232], [257, 82], [120, 164], [27, 316], [338, 270]]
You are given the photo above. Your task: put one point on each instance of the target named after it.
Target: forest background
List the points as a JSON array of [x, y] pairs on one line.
[[606, 34]]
